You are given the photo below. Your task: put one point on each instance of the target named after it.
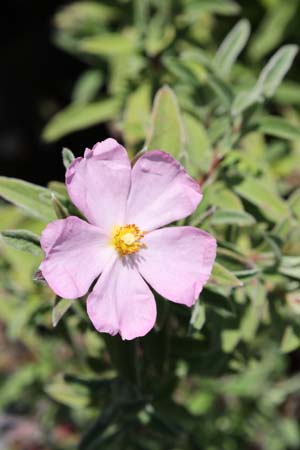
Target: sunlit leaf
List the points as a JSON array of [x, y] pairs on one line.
[[77, 117], [33, 199], [279, 127], [166, 132], [227, 217], [269, 203], [70, 394], [108, 44], [223, 277]]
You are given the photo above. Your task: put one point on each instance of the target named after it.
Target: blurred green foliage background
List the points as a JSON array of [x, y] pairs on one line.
[[205, 81]]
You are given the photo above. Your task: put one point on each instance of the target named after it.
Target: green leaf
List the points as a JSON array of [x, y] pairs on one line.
[[197, 145], [230, 339], [59, 188], [247, 273], [108, 44], [294, 202], [77, 117], [226, 217], [290, 340], [224, 198], [254, 312], [34, 199], [269, 203], [270, 78], [87, 86], [288, 93], [180, 69], [278, 127], [135, 125], [198, 316], [67, 156], [223, 7], [272, 29], [290, 266], [61, 306], [245, 99], [71, 394], [60, 211], [231, 47], [166, 132], [158, 37], [222, 90], [223, 277], [273, 73], [23, 240]]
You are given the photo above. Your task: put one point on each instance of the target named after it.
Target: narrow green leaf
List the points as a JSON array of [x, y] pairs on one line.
[[198, 145], [198, 316], [245, 99], [59, 188], [77, 117], [71, 394], [141, 15], [60, 211], [87, 86], [288, 93], [224, 198], [292, 272], [269, 203], [230, 339], [61, 306], [135, 125], [273, 73], [231, 47], [223, 7], [222, 91], [67, 156], [35, 200], [223, 277], [226, 217], [108, 44], [278, 127], [166, 132], [290, 340], [180, 69], [23, 240], [272, 29], [247, 273], [269, 80], [253, 312]]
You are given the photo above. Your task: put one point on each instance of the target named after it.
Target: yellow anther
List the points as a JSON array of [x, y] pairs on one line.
[[126, 239]]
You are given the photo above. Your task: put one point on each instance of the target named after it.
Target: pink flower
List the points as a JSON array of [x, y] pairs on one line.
[[124, 242]]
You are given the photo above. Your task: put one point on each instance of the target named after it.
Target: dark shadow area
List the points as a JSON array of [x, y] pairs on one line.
[[35, 80]]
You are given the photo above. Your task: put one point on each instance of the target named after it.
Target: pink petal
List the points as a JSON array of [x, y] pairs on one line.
[[98, 184], [161, 191], [121, 302], [76, 253], [177, 262]]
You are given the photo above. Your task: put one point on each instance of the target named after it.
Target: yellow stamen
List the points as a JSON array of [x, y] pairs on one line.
[[126, 239]]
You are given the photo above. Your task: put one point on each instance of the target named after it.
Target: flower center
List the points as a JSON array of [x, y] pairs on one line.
[[126, 239]]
